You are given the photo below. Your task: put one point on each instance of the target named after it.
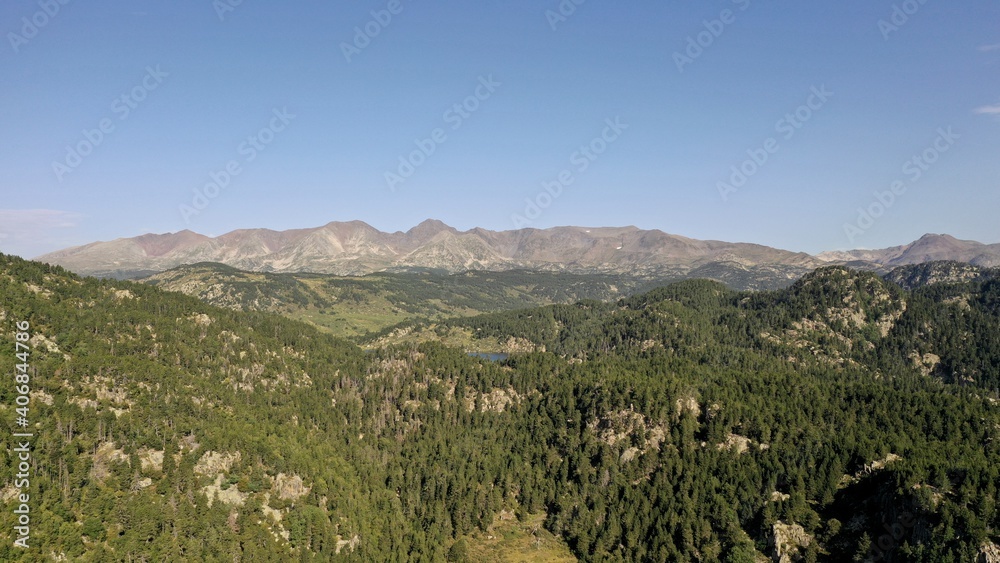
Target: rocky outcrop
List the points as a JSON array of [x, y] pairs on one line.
[[789, 541], [212, 462], [224, 493], [289, 487], [105, 457], [990, 553]]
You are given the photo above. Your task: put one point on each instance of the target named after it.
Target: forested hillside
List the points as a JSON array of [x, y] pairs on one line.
[[841, 419], [354, 306], [358, 305]]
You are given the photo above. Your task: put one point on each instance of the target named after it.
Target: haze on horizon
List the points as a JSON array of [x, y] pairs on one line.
[[733, 120]]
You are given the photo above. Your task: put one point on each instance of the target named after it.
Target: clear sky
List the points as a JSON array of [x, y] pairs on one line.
[[632, 113]]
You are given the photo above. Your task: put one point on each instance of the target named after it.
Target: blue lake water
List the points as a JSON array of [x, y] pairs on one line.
[[489, 356]]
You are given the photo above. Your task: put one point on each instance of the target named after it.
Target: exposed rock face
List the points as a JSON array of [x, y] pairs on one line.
[[350, 544], [735, 443], [290, 487], [688, 403], [106, 456], [629, 427], [151, 459], [990, 553], [230, 495], [514, 345], [927, 364], [212, 463], [201, 319], [789, 540], [9, 493], [497, 400]]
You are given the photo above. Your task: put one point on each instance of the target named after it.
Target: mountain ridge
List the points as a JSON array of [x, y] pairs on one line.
[[928, 248], [354, 248], [357, 248]]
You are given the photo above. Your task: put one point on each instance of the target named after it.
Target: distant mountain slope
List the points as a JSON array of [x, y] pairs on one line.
[[350, 306], [831, 317], [354, 305], [919, 275], [356, 248], [928, 248]]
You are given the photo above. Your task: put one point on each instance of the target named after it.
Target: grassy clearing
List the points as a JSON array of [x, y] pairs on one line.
[[512, 541]]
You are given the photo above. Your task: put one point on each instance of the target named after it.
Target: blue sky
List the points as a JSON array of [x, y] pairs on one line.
[[631, 113]]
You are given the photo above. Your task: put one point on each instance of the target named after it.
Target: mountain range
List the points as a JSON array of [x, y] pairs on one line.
[[356, 248], [929, 248]]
